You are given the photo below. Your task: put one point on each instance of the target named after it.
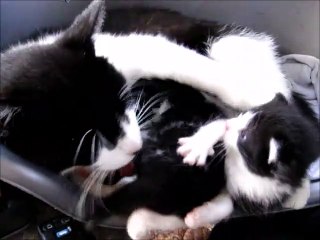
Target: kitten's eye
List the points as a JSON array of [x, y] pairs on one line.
[[273, 167], [243, 135]]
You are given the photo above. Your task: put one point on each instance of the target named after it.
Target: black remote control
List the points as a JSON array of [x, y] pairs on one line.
[[63, 228]]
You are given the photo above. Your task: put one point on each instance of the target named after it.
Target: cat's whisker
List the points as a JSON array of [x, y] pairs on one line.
[[219, 144], [87, 185], [149, 102], [137, 103], [145, 118], [93, 148], [152, 104], [103, 176], [146, 122], [123, 91], [219, 153], [79, 147]]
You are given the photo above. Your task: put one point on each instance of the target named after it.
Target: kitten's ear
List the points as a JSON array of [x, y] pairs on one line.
[[279, 98], [90, 21]]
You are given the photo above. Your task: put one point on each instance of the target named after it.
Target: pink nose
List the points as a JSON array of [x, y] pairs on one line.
[[227, 125]]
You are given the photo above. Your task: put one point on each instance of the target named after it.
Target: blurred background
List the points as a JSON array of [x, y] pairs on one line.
[[294, 24]]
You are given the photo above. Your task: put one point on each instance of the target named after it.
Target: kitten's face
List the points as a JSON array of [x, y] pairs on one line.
[[62, 71], [269, 150]]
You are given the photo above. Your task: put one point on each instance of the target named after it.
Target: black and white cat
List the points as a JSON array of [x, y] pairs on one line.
[[62, 89]]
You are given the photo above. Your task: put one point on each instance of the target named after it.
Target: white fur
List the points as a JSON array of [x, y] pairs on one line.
[[211, 212], [235, 125], [196, 148], [142, 221], [242, 181], [273, 150], [43, 40], [109, 160], [132, 140], [143, 55], [252, 73], [300, 197]]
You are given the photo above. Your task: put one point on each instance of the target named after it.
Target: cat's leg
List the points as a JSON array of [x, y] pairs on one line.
[[242, 70], [210, 212], [197, 147], [142, 221], [146, 56], [300, 197]]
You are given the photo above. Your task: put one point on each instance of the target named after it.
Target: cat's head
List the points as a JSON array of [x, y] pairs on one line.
[[64, 67], [270, 150]]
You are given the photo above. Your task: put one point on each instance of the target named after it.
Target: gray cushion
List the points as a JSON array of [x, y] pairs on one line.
[[303, 73]]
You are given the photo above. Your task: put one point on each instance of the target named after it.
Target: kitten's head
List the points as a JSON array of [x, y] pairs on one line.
[[63, 70], [270, 150]]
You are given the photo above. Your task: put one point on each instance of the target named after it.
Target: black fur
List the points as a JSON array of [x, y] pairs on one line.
[[164, 183], [61, 90], [294, 127]]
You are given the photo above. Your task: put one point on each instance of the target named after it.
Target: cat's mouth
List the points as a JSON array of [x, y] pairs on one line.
[[127, 170]]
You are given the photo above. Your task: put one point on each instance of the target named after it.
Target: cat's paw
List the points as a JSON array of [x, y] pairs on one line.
[[195, 149], [198, 217], [137, 226]]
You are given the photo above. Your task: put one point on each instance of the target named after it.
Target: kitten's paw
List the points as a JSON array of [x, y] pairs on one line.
[[198, 217], [195, 149]]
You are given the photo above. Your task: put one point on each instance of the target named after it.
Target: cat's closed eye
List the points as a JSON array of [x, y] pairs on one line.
[[243, 135]]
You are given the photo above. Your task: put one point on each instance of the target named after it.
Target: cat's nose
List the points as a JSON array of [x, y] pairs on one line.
[[227, 125]]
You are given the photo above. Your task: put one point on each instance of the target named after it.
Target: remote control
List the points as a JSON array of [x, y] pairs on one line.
[[63, 228]]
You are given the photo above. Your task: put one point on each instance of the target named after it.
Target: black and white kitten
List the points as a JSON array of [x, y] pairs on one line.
[[268, 152]]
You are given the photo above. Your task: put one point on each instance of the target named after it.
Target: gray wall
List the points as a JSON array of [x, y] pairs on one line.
[[295, 24]]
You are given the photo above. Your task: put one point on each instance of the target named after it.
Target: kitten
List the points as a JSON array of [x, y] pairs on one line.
[[268, 152]]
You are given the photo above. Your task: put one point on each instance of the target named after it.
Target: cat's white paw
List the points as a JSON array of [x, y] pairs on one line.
[[198, 217], [137, 226], [195, 149]]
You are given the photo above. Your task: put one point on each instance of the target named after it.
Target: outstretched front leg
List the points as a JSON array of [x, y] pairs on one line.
[[247, 62], [197, 147], [148, 56]]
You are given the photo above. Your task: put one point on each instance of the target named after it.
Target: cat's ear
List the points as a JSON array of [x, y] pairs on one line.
[[279, 98], [90, 21]]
